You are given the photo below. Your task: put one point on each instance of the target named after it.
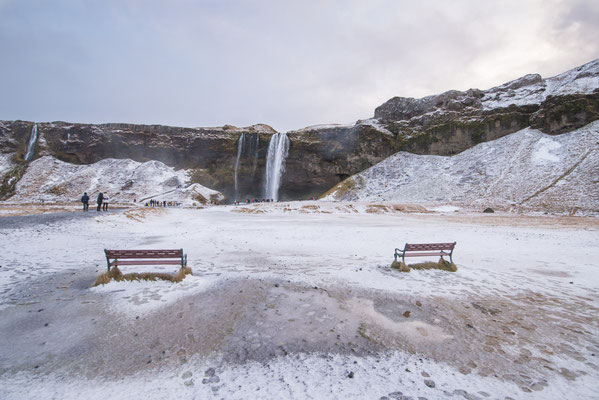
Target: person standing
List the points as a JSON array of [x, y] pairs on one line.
[[105, 203], [85, 201], [99, 201]]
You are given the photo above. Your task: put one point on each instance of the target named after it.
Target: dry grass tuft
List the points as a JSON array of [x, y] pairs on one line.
[[140, 214], [442, 265], [116, 274], [245, 210], [410, 208], [402, 267], [377, 209]]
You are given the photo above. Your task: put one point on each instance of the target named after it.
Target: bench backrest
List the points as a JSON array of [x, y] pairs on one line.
[[178, 253], [429, 246]]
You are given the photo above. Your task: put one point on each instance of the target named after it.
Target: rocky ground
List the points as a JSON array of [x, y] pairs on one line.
[[298, 301]]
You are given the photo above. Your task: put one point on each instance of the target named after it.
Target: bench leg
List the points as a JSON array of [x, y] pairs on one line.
[[107, 260]]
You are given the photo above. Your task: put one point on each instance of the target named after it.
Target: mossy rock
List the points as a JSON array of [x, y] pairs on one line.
[[10, 180], [342, 188]]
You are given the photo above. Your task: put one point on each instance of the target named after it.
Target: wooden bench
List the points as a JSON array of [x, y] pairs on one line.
[[145, 257], [425, 250]]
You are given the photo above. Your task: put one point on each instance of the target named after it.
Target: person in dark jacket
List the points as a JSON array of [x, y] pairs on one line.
[[99, 201], [85, 201]]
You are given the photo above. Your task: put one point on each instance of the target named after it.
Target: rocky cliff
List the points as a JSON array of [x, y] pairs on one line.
[[454, 121], [318, 158], [322, 156]]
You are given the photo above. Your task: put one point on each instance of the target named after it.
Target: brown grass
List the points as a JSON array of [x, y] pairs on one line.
[[139, 214], [116, 274], [245, 210], [442, 265], [377, 209], [402, 267], [343, 187], [409, 208]]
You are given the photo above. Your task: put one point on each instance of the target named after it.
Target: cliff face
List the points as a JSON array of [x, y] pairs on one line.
[[322, 156], [318, 157]]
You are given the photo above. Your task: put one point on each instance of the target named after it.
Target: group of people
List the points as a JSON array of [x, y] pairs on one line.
[[102, 201], [164, 203], [252, 200]]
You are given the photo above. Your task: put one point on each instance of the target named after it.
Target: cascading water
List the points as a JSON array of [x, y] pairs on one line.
[[278, 148], [31, 144], [239, 152], [256, 148]]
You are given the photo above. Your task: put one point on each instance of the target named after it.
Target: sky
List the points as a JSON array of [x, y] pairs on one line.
[[288, 64]]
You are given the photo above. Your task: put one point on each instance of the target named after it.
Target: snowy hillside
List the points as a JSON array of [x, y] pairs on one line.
[[52, 180], [532, 89], [527, 170]]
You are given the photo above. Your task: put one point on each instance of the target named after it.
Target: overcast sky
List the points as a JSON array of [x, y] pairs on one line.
[[289, 64]]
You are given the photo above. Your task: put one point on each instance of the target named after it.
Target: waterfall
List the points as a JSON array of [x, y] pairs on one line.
[[256, 148], [31, 144], [239, 152], [275, 164]]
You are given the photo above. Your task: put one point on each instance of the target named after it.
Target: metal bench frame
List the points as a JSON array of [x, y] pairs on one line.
[[145, 257], [427, 249]]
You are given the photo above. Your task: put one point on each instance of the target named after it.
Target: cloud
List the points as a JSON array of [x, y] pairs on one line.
[[288, 64]]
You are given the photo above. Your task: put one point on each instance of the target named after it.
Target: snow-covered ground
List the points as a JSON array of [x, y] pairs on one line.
[[122, 180], [5, 163], [527, 170], [297, 300]]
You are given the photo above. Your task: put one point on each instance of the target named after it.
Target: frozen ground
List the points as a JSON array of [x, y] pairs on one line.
[[297, 300]]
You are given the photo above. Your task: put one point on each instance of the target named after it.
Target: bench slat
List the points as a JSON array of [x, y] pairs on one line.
[[426, 254], [429, 246], [143, 253], [146, 262]]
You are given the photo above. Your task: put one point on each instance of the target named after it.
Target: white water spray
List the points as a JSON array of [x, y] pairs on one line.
[[278, 148], [31, 144], [256, 149], [239, 151]]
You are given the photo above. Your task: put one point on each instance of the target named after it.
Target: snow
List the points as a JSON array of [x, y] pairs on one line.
[[322, 126], [51, 180], [525, 90], [5, 163], [376, 124], [142, 297], [445, 209], [503, 260], [546, 150], [527, 170], [297, 377]]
